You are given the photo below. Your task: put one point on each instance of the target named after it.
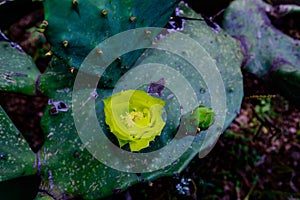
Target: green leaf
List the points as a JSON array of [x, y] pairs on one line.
[[16, 157], [268, 52], [18, 72]]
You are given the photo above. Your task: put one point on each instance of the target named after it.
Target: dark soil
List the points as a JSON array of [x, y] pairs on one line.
[[26, 112]]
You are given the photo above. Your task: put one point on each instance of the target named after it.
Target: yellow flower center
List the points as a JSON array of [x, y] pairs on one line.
[[136, 118]]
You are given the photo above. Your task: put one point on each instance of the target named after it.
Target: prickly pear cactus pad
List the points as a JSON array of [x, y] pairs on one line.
[[76, 27], [70, 170], [268, 52], [16, 157], [57, 78], [228, 57], [18, 72]]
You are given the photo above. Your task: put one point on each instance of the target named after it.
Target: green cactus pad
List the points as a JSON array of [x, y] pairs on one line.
[[77, 27], [70, 170], [16, 157], [228, 57], [57, 78], [267, 50], [18, 72]]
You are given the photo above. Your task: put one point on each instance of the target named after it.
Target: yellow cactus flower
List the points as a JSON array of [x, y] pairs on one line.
[[134, 117]]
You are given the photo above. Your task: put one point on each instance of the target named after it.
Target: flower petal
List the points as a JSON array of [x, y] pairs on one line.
[[134, 117]]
